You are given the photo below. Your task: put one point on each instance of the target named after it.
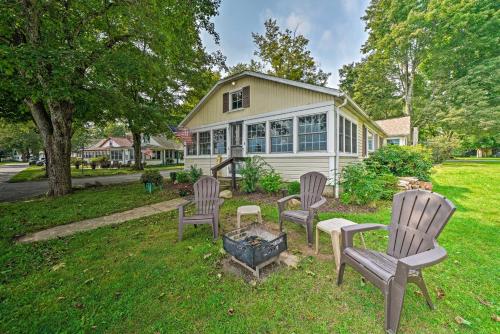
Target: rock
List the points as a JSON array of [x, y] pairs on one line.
[[289, 260], [426, 185], [294, 202], [226, 194]]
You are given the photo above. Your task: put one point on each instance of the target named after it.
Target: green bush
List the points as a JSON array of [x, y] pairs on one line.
[[442, 147], [401, 161], [271, 182], [254, 168], [152, 176], [183, 176], [293, 188], [173, 176], [195, 173], [361, 185]]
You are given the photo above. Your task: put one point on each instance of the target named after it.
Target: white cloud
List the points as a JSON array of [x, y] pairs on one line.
[[299, 23], [326, 40]]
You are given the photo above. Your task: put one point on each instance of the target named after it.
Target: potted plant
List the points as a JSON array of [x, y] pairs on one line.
[[152, 178]]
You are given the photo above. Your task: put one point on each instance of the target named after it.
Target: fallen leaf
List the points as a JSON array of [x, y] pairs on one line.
[[230, 311], [363, 282], [253, 282], [90, 280], [190, 248], [418, 293], [461, 321], [219, 275], [61, 298], [222, 251], [206, 256], [484, 302], [162, 295], [58, 266], [440, 293], [310, 273], [495, 317]]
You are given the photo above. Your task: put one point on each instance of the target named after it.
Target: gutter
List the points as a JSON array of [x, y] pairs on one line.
[[337, 151]]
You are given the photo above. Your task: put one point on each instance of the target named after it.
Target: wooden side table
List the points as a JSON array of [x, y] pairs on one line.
[[248, 210], [333, 227]]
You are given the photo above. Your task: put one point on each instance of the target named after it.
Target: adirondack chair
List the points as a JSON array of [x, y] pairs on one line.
[[418, 217], [312, 185], [207, 201]]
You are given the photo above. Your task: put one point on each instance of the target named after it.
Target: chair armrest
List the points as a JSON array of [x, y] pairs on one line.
[[424, 259], [282, 201], [182, 205], [348, 232], [318, 204]]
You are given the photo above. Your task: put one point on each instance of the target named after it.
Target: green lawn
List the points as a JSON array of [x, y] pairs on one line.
[[34, 173], [137, 278]]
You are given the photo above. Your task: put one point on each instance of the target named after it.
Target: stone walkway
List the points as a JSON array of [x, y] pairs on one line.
[[113, 219]]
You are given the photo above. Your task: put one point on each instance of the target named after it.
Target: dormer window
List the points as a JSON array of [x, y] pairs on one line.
[[237, 99]]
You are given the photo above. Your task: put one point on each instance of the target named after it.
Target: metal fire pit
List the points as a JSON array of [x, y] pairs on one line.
[[253, 247]]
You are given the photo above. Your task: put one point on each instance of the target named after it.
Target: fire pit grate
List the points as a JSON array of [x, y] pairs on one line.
[[254, 247]]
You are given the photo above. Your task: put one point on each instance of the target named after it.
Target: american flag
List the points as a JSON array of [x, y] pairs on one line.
[[184, 134]]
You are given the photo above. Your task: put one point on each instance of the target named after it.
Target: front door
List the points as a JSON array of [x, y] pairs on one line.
[[236, 139]]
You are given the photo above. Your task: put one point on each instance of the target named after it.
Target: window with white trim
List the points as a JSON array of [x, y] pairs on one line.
[[348, 136], [220, 140], [191, 147], [282, 136], [393, 141], [116, 155], [312, 133], [205, 143], [236, 99], [256, 138], [370, 140]]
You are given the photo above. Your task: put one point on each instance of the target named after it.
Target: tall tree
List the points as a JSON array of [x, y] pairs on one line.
[[286, 53], [254, 66], [50, 51]]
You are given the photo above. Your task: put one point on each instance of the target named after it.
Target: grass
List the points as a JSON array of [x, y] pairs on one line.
[[137, 278], [35, 173]]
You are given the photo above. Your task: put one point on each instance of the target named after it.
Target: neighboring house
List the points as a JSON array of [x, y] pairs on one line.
[[155, 150], [397, 130], [296, 127]]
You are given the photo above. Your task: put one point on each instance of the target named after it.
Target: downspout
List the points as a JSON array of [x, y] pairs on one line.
[[337, 151]]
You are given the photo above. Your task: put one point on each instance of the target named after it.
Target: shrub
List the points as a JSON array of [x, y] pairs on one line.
[[254, 168], [182, 176], [293, 188], [195, 173], [152, 176], [271, 182], [361, 185], [401, 161], [93, 164], [77, 162], [442, 147]]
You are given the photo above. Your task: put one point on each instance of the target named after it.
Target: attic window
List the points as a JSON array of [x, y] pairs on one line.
[[237, 99]]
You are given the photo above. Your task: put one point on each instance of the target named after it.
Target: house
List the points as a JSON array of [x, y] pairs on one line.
[[296, 127], [155, 150], [397, 130]]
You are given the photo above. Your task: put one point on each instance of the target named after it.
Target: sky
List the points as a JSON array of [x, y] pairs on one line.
[[334, 28]]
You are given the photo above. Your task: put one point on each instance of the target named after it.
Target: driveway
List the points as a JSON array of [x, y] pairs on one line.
[[8, 171], [24, 190]]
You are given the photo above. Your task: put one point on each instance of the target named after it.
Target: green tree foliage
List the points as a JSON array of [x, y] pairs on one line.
[[20, 137], [51, 51], [286, 55]]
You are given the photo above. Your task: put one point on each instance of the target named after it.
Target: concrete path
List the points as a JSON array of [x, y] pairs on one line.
[[113, 219], [8, 171], [24, 190]]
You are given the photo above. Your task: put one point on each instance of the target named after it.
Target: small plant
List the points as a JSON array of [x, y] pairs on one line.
[[152, 176], [254, 168], [293, 188], [271, 182], [182, 177], [77, 162], [195, 173], [93, 164], [173, 176]]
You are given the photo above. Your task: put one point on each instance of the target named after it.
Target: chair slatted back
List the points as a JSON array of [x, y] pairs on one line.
[[418, 217], [312, 185], [206, 194]]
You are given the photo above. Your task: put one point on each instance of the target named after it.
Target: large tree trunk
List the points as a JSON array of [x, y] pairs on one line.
[[55, 129], [137, 151]]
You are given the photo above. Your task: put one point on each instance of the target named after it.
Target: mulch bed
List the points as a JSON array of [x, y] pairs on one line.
[[332, 204]]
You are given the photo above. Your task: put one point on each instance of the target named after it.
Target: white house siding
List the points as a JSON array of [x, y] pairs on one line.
[[204, 163], [346, 161], [291, 168]]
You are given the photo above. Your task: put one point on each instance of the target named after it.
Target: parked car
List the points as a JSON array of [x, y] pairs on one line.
[[32, 161], [40, 162]]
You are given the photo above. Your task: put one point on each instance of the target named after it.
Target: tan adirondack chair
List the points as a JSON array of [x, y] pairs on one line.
[[418, 217], [207, 201], [312, 185]]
